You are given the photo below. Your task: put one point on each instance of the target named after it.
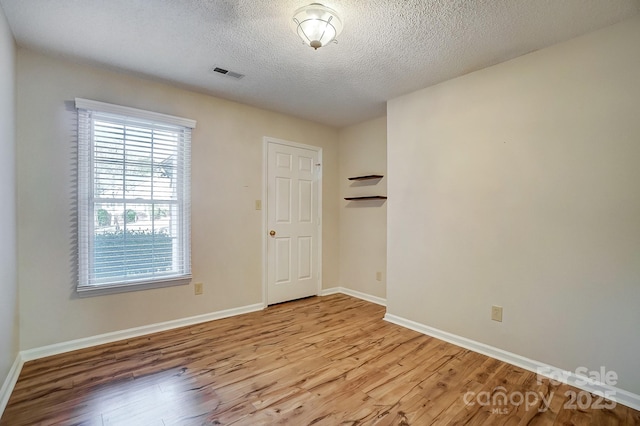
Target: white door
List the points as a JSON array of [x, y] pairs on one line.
[[293, 222]]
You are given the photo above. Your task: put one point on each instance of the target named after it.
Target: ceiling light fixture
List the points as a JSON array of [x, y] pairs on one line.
[[317, 25]]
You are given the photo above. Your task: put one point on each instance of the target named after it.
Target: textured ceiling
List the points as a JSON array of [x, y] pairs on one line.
[[387, 48]]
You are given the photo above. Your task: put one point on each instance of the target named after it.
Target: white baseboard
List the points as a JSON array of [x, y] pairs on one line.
[[364, 296], [10, 382], [329, 291], [72, 345], [620, 396]]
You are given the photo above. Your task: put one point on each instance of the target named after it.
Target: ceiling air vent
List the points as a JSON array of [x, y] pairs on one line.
[[228, 73]]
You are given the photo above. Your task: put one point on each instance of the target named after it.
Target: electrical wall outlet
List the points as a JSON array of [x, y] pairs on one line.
[[198, 290], [378, 276], [496, 313]]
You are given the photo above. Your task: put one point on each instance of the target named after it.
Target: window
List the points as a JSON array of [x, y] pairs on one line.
[[133, 198]]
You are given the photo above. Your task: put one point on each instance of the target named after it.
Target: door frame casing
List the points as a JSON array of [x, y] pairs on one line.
[[266, 140]]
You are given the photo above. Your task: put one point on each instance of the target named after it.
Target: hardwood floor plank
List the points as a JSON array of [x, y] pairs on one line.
[[319, 361]]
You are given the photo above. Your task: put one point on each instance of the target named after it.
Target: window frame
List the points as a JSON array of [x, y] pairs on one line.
[[86, 201]]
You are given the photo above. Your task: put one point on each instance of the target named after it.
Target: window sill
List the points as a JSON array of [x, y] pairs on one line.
[[102, 289]]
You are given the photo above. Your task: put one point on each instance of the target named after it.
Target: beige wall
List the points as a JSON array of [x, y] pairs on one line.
[[8, 261], [363, 224], [519, 186], [226, 179]]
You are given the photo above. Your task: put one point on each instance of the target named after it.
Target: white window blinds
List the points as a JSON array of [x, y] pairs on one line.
[[133, 198]]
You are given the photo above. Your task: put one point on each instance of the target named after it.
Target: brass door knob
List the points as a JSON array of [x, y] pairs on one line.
[[272, 233]]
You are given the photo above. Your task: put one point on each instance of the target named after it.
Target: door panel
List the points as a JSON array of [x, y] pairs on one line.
[[305, 197], [283, 260], [292, 221], [283, 200], [304, 257], [284, 161]]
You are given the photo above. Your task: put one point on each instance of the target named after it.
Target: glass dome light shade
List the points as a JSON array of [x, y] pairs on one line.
[[316, 25]]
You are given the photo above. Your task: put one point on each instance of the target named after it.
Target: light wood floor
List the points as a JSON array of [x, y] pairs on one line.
[[320, 361]]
